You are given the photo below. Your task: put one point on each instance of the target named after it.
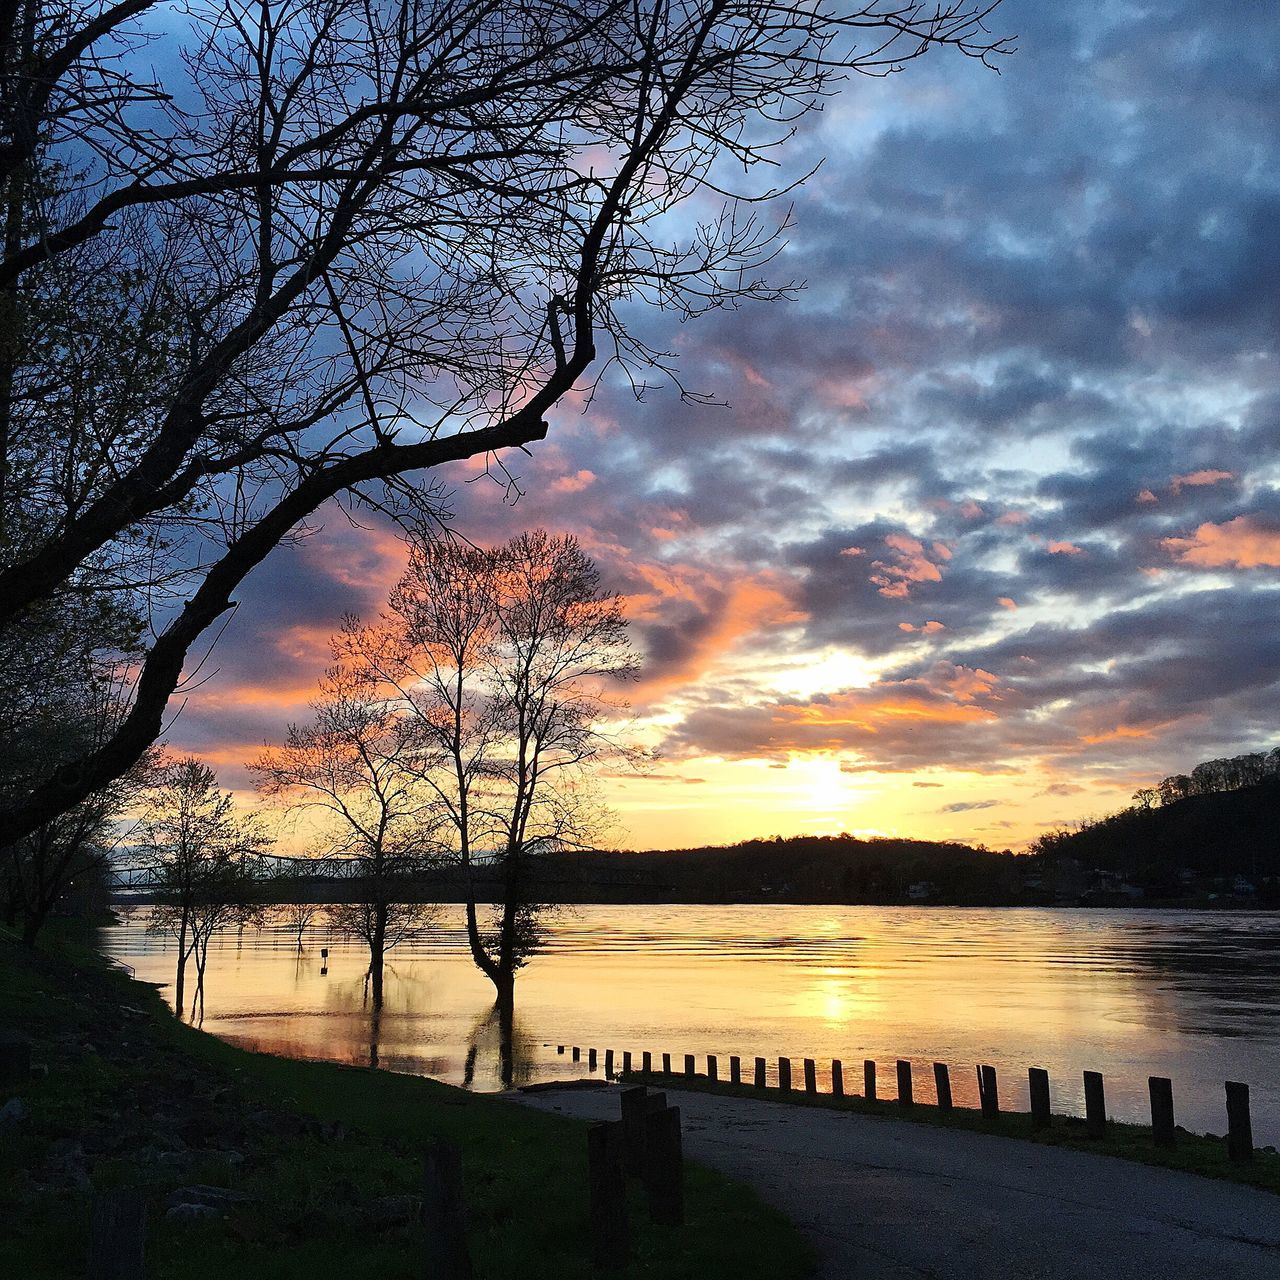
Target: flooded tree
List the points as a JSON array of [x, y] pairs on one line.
[[200, 844], [353, 771], [502, 663]]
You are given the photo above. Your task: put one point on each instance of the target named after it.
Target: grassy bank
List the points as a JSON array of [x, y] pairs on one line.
[[325, 1156], [1195, 1153]]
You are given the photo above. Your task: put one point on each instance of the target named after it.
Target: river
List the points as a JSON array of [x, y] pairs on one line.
[[1186, 994]]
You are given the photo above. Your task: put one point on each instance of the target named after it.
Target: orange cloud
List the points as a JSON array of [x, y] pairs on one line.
[[910, 564], [1197, 479], [925, 629], [1005, 603], [1145, 496], [575, 483], [1242, 543], [1064, 549]]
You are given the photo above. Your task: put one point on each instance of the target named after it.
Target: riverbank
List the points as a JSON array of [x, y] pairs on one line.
[[321, 1161]]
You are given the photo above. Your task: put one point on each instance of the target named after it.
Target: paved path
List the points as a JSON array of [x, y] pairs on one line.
[[883, 1199]]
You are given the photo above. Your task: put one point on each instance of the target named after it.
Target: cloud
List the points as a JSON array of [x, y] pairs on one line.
[[1243, 543], [968, 806]]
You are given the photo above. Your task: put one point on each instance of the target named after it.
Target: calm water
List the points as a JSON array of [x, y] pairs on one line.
[[1191, 995]]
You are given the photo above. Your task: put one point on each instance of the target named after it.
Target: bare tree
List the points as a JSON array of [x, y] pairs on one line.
[[199, 843], [505, 661], [351, 243], [353, 768]]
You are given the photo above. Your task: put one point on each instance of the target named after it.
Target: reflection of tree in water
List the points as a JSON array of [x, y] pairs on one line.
[[497, 1038]]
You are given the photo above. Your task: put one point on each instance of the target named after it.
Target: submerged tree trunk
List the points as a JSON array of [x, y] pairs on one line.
[[377, 949]]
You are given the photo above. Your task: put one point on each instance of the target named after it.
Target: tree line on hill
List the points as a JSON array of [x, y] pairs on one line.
[[1209, 835]]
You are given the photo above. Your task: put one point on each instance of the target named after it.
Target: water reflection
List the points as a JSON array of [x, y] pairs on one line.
[[1191, 995]]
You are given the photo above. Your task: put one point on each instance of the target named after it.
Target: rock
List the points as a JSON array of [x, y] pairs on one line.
[[193, 1212], [65, 1165], [393, 1211], [217, 1198], [13, 1113]]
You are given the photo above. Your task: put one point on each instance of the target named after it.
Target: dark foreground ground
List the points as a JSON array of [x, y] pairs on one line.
[[321, 1162], [885, 1199]]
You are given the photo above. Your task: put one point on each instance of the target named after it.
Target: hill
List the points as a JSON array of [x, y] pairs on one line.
[[1205, 847]]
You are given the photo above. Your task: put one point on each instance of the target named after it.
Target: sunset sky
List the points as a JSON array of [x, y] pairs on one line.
[[989, 532]]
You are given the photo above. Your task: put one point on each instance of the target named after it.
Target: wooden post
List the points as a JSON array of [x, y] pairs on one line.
[[837, 1078], [118, 1235], [591, 1059], [607, 1181], [560, 1048], [1041, 1105], [666, 1064], [626, 1062], [784, 1074], [689, 1065], [810, 1076], [608, 1064], [906, 1099], [1239, 1128], [646, 1062], [942, 1085], [444, 1213], [988, 1092], [1162, 1130], [634, 1103], [735, 1070], [761, 1079], [664, 1167], [869, 1079], [577, 1054], [713, 1068], [1095, 1106]]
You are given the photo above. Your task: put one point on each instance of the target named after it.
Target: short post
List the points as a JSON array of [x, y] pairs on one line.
[[117, 1235], [591, 1059], [906, 1099], [713, 1068], [626, 1062], [1239, 1128], [577, 1054], [607, 1181], [608, 1064], [664, 1167], [784, 1074], [560, 1048], [690, 1068], [988, 1092], [646, 1062], [869, 1079], [634, 1103], [1095, 1106], [942, 1085], [444, 1212], [666, 1064], [1041, 1106], [810, 1076], [1162, 1130], [837, 1078], [735, 1070], [761, 1079]]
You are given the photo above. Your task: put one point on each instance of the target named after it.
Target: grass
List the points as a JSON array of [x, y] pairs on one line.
[[1194, 1153], [132, 1096]]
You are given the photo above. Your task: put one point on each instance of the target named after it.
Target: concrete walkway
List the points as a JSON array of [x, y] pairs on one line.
[[885, 1199]]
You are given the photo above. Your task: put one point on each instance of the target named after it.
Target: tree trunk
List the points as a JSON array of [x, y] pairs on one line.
[[180, 979], [377, 946]]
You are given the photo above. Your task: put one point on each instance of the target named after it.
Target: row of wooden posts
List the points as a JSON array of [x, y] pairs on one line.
[[1163, 1129], [644, 1143]]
